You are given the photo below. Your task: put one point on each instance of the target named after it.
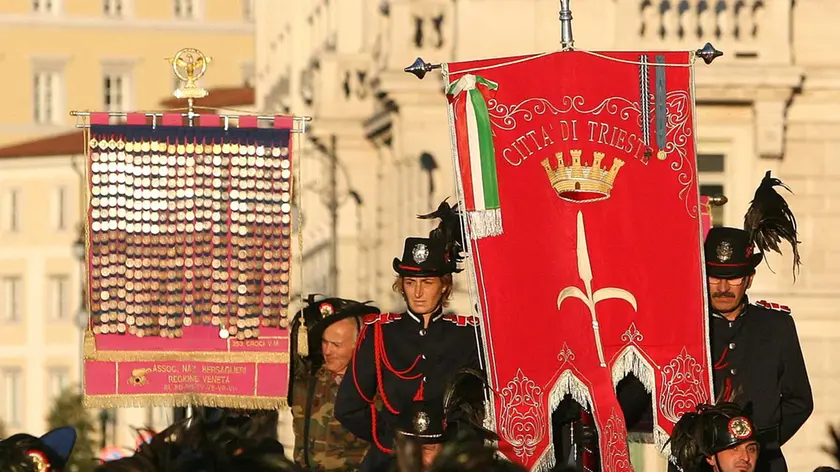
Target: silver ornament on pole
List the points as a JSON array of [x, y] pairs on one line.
[[567, 40]]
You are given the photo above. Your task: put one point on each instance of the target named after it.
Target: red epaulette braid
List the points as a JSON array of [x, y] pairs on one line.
[[380, 356]]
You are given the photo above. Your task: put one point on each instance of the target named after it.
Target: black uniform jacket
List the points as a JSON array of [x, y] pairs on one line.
[[757, 358], [408, 356]]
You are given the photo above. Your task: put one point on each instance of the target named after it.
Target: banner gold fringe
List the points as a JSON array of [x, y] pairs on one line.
[[485, 223], [181, 400], [92, 354]]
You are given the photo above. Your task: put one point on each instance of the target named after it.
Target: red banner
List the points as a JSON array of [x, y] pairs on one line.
[[578, 172]]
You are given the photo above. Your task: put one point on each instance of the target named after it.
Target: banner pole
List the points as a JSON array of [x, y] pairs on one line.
[[567, 41]]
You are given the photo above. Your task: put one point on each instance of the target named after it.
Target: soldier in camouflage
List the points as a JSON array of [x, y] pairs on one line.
[[321, 442]]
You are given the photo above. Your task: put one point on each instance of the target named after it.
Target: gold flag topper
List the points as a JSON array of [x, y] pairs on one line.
[[189, 64]]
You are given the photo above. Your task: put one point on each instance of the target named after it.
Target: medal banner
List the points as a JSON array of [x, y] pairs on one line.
[[189, 259], [578, 175]]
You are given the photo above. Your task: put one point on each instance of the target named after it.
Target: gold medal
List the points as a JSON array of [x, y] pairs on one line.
[[93, 143], [233, 149]]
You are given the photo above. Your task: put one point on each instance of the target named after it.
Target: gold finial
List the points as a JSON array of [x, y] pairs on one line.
[[189, 64]]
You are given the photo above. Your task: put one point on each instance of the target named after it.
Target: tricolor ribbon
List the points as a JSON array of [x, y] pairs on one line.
[[476, 154]]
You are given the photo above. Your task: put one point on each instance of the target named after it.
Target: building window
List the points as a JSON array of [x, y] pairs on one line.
[[44, 6], [184, 9], [112, 8], [10, 213], [114, 91], [10, 303], [45, 96], [59, 291], [248, 10], [60, 208], [58, 379], [12, 403], [711, 171]]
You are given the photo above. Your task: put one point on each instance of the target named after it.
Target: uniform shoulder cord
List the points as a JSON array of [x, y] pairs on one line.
[[380, 357]]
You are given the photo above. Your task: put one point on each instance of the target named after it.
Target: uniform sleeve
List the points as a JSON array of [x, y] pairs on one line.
[[351, 409], [797, 400], [299, 396]]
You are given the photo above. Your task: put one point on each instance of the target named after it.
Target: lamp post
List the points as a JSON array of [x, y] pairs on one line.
[[333, 202]]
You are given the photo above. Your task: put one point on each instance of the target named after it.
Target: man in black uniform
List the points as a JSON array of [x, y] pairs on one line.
[[755, 349], [406, 357]]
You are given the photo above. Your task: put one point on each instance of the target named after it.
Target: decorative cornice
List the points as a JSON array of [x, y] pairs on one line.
[[106, 23], [747, 81]]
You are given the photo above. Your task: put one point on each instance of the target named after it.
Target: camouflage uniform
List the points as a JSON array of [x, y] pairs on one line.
[[331, 446]]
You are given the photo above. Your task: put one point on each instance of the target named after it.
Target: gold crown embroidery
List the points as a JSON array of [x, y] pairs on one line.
[[580, 183]]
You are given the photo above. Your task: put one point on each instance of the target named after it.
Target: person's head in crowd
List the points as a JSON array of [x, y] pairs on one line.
[[421, 432], [463, 454], [332, 325], [224, 443], [26, 453], [720, 438]]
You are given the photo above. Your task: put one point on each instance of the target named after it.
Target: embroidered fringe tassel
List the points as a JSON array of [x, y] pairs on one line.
[[303, 339], [169, 400], [660, 438], [566, 384], [631, 362], [485, 223]]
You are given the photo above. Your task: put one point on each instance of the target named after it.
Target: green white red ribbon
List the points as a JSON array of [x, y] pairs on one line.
[[476, 154]]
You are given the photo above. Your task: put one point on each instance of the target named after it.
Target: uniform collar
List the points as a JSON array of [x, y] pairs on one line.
[[437, 315], [716, 314]]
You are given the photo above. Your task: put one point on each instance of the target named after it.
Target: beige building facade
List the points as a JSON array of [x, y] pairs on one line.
[[62, 55], [772, 102], [99, 55]]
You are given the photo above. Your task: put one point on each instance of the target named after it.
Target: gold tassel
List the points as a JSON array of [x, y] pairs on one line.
[[303, 339]]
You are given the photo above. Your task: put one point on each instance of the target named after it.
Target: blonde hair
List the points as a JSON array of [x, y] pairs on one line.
[[446, 279]]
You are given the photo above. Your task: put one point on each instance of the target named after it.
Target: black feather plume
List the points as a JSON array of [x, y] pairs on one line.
[[448, 233], [834, 448], [463, 402], [769, 220], [686, 442]]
